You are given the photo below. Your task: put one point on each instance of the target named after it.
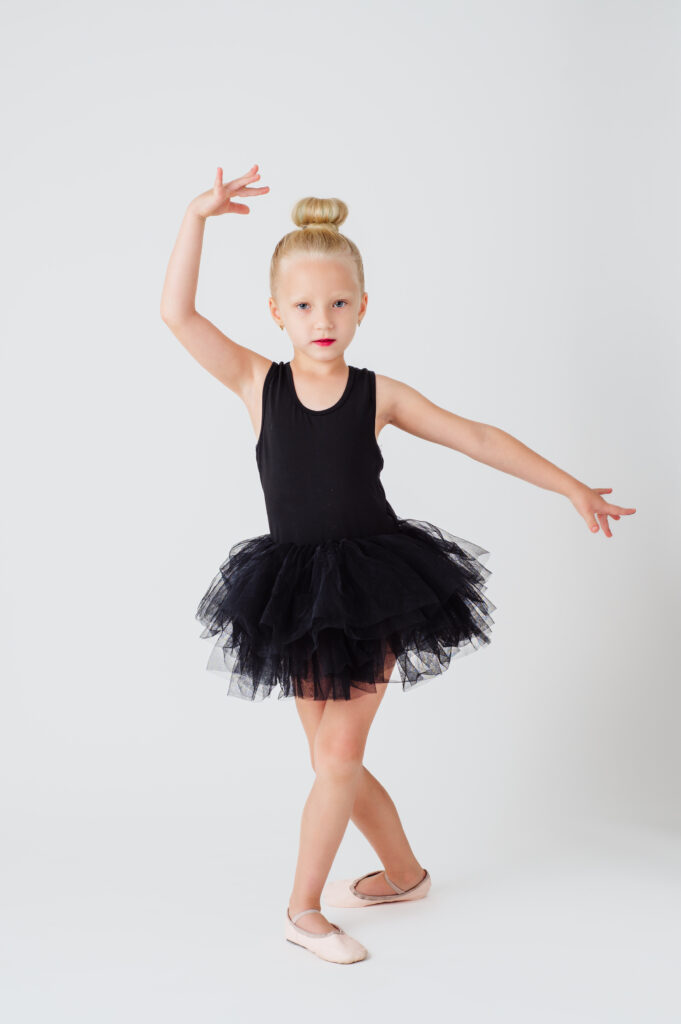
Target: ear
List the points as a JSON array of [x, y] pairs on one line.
[[274, 310]]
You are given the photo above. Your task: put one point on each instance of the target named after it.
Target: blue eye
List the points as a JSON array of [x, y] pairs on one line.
[[299, 304]]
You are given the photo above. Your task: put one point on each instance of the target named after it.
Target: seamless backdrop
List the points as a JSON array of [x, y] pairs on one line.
[[512, 176]]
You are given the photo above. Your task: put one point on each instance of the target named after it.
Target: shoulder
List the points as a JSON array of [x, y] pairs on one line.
[[254, 382], [393, 396], [252, 390]]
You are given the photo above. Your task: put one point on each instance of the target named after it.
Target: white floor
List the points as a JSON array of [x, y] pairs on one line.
[[578, 927]]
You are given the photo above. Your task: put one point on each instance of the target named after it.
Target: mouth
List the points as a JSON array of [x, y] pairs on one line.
[[323, 341]]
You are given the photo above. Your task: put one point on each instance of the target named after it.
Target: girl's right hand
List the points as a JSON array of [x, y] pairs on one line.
[[218, 199]]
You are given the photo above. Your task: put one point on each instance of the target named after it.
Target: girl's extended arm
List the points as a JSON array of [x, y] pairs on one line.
[[231, 363], [411, 411]]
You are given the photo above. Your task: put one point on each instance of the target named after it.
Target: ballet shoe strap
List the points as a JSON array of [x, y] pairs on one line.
[[395, 887], [370, 874], [312, 910]]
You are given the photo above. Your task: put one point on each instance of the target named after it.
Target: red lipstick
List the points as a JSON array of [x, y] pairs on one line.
[[323, 341]]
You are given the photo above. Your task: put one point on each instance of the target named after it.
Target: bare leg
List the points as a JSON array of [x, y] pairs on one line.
[[376, 817], [373, 813], [340, 740]]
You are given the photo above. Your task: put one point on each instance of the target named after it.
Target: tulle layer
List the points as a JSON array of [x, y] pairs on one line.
[[328, 621]]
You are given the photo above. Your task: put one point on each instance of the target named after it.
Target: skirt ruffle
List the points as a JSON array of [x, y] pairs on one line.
[[329, 621]]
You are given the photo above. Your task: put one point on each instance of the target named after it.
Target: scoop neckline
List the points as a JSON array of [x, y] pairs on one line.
[[336, 405]]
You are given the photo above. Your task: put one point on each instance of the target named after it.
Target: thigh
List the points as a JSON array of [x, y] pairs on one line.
[[311, 711], [344, 725]]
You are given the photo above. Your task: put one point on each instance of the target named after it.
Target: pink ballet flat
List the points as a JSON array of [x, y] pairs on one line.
[[336, 946], [344, 893]]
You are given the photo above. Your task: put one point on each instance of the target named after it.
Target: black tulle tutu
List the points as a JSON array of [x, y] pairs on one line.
[[328, 621]]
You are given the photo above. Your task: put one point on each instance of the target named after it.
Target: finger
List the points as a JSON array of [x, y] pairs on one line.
[[236, 189], [604, 524], [622, 511], [252, 191], [602, 490], [218, 179], [237, 182]]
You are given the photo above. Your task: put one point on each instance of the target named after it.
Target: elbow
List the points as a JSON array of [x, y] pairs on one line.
[[166, 316], [173, 317], [170, 319]]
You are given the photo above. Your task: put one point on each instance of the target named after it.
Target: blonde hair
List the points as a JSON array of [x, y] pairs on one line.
[[316, 234]]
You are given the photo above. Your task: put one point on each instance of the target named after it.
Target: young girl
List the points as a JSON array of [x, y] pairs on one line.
[[342, 596]]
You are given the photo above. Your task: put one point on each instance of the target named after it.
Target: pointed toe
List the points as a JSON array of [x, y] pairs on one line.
[[336, 945]]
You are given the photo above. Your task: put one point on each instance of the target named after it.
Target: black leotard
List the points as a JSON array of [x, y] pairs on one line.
[[320, 468]]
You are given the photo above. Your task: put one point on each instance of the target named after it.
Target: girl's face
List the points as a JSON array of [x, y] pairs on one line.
[[318, 297]]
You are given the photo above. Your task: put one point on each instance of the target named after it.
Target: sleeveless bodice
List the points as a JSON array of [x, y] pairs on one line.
[[320, 469]]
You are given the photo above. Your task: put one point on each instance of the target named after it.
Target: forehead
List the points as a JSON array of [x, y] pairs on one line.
[[319, 274]]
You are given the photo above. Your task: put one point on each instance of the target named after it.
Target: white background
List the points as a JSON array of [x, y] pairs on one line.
[[512, 175]]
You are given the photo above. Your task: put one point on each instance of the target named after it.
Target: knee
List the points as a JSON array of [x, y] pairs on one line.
[[340, 756]]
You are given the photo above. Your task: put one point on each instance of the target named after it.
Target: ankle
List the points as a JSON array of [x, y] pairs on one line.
[[406, 876], [295, 906]]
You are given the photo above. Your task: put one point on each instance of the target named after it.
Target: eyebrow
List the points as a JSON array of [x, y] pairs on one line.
[[337, 295]]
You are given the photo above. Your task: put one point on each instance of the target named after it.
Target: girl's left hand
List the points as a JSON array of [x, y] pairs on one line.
[[589, 504]]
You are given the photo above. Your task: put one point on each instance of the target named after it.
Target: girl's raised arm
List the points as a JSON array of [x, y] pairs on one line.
[[234, 365]]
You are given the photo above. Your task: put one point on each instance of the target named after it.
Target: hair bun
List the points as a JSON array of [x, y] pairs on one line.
[[319, 213], [316, 235]]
